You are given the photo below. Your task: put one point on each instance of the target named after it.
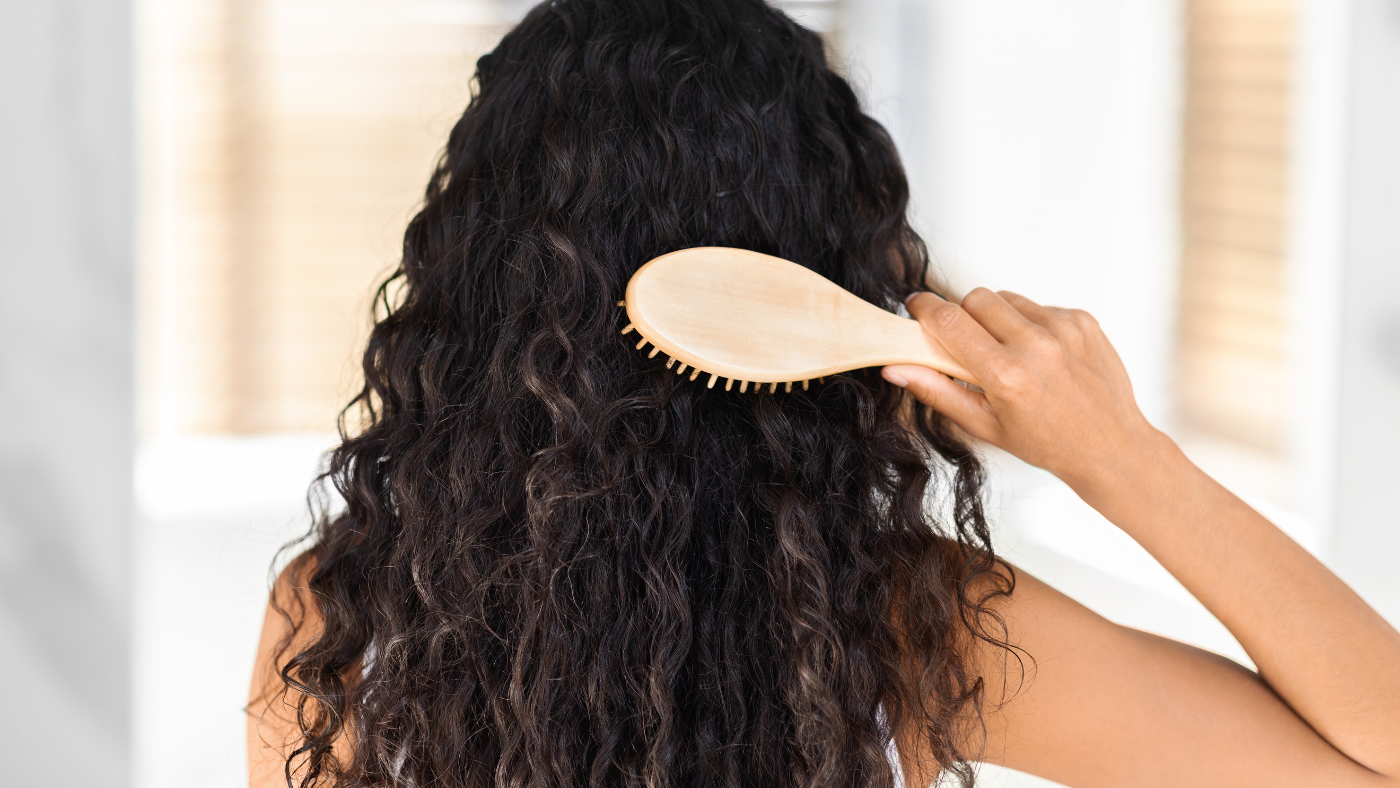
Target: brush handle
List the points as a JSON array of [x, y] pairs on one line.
[[881, 338]]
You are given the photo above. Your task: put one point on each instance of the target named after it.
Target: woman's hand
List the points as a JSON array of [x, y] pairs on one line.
[[1107, 703], [1054, 393]]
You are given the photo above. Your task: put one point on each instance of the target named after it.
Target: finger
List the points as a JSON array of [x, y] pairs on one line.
[[964, 338], [1034, 312], [938, 391], [1000, 318]]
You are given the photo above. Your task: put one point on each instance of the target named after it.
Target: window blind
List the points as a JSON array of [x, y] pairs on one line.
[[287, 143], [1231, 360]]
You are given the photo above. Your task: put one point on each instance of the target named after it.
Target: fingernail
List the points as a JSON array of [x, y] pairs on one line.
[[894, 378]]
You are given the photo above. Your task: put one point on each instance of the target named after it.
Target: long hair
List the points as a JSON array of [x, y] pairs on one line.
[[559, 563]]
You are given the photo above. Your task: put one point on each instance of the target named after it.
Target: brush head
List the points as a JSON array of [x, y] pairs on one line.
[[754, 318]]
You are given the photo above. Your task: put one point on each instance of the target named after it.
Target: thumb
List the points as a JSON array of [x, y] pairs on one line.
[[939, 392]]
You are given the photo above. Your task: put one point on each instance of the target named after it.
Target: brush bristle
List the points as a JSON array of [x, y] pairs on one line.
[[695, 371]]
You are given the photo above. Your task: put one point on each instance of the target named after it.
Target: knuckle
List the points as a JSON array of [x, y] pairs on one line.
[[1013, 378], [1049, 350], [977, 297], [1064, 322], [946, 316], [1045, 343], [1006, 374]]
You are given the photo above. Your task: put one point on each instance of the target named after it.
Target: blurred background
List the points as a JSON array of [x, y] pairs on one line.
[[197, 196]]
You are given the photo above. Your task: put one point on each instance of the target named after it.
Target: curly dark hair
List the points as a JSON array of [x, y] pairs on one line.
[[559, 564]]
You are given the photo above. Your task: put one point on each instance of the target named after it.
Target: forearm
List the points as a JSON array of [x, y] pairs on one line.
[[1319, 646]]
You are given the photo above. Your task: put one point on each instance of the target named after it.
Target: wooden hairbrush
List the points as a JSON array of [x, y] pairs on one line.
[[754, 318]]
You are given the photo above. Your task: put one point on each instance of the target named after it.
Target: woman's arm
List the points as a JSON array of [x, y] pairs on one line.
[[1112, 706]]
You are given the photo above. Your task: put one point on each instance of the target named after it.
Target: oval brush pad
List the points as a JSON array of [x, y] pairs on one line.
[[754, 318]]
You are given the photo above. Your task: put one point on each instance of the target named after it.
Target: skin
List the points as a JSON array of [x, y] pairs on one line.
[[1101, 705], [1105, 705]]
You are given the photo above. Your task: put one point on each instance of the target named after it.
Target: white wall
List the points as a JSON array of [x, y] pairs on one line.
[[1041, 141], [1366, 547], [66, 337], [213, 512]]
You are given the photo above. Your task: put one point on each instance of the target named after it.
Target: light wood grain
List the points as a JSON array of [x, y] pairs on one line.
[[754, 318]]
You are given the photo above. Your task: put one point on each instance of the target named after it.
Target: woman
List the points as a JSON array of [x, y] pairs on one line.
[[559, 564]]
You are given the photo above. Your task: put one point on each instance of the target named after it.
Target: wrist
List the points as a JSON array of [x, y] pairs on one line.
[[1135, 465]]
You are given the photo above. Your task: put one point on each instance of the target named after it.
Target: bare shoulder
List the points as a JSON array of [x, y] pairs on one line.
[[290, 623], [1086, 702]]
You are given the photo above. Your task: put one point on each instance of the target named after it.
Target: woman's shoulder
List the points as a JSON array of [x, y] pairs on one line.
[[292, 622]]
